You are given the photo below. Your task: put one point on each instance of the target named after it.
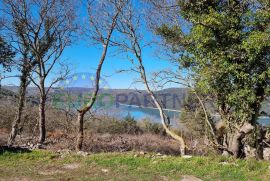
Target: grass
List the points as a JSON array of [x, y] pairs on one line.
[[46, 165]]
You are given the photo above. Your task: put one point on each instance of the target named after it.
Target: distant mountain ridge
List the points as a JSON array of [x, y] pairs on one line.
[[122, 96], [171, 98]]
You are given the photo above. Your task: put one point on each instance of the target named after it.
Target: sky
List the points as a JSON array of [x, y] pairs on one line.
[[83, 57]]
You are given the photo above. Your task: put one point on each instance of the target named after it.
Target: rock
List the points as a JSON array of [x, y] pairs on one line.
[[142, 153], [249, 151], [64, 151], [225, 153], [82, 153], [186, 156], [37, 146], [189, 178], [266, 154], [159, 154], [105, 170], [223, 163]]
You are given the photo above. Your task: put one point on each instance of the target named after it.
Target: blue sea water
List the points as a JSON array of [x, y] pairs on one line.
[[140, 113]]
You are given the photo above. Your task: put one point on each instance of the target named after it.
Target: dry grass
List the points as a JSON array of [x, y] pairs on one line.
[[102, 134]]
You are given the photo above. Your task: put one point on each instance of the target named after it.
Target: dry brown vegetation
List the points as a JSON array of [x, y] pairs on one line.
[[102, 133]]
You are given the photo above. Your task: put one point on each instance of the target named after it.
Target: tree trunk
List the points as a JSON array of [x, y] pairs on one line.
[[42, 128], [89, 106], [236, 146], [161, 111], [80, 131], [260, 136], [17, 120]]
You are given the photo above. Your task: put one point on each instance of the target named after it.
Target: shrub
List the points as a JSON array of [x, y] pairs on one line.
[[148, 126], [104, 124]]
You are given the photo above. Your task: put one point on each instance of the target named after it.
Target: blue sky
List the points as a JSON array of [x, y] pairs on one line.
[[84, 58]]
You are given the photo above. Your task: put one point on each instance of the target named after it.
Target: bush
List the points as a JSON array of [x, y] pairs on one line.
[[149, 127], [109, 125]]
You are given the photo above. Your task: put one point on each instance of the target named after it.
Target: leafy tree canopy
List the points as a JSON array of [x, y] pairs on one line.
[[228, 48]]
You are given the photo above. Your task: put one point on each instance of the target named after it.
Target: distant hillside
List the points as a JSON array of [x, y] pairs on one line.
[[31, 91], [10, 94], [5, 93], [171, 98]]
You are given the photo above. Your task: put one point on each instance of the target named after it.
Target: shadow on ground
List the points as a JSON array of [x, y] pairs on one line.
[[13, 149]]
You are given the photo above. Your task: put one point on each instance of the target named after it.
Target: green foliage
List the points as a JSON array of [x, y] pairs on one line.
[[192, 116], [113, 126], [228, 48], [128, 125], [6, 54], [147, 126]]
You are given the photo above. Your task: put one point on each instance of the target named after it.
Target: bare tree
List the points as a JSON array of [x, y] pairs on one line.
[[45, 28], [103, 16], [133, 42], [168, 76], [26, 68], [15, 32], [42, 74]]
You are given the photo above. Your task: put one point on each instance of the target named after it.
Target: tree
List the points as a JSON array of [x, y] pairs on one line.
[[195, 112], [25, 66], [103, 17], [14, 30], [43, 30], [133, 42], [227, 47], [192, 116]]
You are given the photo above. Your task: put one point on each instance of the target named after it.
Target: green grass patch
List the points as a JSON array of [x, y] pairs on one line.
[[46, 165]]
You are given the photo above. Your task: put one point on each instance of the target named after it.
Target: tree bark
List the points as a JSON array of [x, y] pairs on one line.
[[42, 125], [236, 146], [158, 105], [80, 131], [260, 136], [83, 111], [17, 120]]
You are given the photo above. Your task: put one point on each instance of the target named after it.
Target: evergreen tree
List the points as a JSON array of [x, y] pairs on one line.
[[228, 49]]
